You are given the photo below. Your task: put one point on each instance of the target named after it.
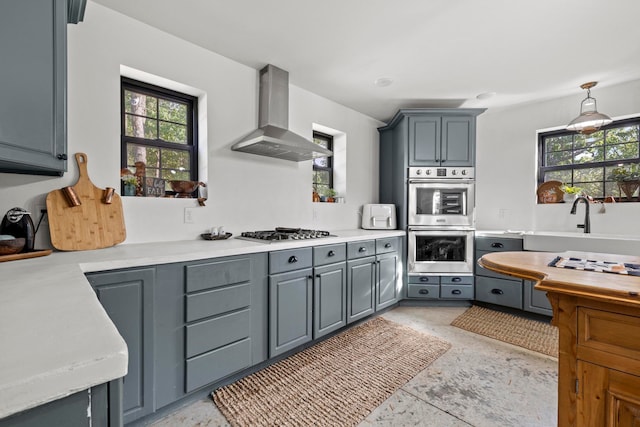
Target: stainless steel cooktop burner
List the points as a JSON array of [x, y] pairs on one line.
[[283, 234]]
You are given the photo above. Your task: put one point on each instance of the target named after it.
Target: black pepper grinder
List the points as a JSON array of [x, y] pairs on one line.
[[17, 222]]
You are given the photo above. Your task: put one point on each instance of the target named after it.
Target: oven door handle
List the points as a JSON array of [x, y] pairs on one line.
[[441, 181]]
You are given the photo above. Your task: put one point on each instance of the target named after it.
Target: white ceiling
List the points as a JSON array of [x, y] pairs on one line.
[[439, 53]]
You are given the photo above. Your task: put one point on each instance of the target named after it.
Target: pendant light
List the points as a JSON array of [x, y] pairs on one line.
[[589, 120]]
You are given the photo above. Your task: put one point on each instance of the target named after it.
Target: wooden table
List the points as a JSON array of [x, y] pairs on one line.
[[598, 316]]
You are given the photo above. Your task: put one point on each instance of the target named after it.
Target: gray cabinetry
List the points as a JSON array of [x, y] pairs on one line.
[[441, 287], [127, 297], [361, 279], [221, 305], [70, 411], [423, 137], [33, 43], [387, 280], [290, 299], [329, 289], [508, 291]]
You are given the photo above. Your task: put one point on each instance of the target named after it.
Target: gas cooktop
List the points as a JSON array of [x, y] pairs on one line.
[[283, 234]]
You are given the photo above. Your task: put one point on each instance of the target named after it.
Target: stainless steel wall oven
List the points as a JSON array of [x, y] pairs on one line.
[[441, 219]]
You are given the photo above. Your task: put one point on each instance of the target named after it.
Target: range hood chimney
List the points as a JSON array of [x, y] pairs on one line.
[[273, 138]]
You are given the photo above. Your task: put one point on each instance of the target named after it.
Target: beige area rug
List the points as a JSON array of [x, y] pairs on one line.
[[531, 334], [337, 382]]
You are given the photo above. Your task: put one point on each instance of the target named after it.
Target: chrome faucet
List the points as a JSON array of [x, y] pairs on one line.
[[587, 222]]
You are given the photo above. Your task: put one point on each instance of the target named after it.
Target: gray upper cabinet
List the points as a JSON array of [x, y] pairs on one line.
[[441, 140], [127, 297], [33, 78]]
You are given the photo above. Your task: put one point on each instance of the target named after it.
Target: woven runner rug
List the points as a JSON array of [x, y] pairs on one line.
[[337, 382], [531, 334]]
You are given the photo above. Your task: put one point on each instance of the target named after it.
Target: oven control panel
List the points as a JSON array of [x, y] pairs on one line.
[[441, 173]]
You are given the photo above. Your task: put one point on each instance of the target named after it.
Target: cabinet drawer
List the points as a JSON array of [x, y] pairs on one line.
[[456, 280], [217, 301], [456, 291], [425, 280], [361, 249], [220, 273], [214, 333], [388, 244], [423, 291], [289, 260], [610, 332], [210, 367], [329, 254], [497, 244], [499, 291]]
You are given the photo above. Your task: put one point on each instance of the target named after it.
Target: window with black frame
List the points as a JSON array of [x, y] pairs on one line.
[[159, 130], [603, 164], [323, 166]]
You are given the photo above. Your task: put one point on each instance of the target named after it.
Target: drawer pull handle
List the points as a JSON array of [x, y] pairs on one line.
[[456, 280], [318, 276], [497, 291], [424, 279], [456, 292], [292, 259], [362, 249], [423, 291], [388, 245], [331, 253], [497, 245]]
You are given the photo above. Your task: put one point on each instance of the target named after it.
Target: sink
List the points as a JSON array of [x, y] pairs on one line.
[[560, 241]]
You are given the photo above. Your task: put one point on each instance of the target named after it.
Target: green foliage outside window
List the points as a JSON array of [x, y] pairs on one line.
[[589, 161]]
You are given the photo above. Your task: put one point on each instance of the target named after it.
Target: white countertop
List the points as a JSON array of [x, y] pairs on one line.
[[56, 337]]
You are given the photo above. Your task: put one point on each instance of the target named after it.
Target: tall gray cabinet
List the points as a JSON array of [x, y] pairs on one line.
[[423, 137], [33, 84]]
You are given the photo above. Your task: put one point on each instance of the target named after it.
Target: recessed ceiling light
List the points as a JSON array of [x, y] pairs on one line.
[[486, 95], [383, 81]]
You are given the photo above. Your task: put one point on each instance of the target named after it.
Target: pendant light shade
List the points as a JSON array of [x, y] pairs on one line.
[[589, 120]]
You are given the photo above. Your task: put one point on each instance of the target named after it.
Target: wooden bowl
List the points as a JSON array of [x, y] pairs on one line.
[[13, 246], [185, 188]]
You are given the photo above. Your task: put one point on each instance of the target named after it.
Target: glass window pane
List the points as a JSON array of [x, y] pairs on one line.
[[172, 132], [322, 162], [593, 189], [589, 155], [321, 142], [173, 111], [321, 177], [558, 143], [561, 175], [558, 158], [154, 172], [138, 153], [176, 159], [141, 127], [140, 104], [622, 134], [176, 174], [586, 175], [593, 140], [622, 151]]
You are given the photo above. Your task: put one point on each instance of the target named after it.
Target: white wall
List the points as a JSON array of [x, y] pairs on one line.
[[246, 192], [507, 161]]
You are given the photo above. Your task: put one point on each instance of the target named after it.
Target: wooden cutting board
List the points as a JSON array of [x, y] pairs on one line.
[[93, 224]]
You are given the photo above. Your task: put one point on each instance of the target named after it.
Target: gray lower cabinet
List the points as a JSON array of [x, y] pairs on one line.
[[70, 411], [361, 282], [127, 297], [499, 289], [290, 299], [33, 78], [387, 280], [329, 289]]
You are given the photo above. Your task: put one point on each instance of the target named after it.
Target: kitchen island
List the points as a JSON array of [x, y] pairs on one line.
[[598, 316], [56, 337]]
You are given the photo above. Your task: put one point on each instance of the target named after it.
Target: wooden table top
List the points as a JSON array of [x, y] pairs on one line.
[[534, 266]]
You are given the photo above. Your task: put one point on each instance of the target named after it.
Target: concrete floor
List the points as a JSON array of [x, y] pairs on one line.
[[479, 382]]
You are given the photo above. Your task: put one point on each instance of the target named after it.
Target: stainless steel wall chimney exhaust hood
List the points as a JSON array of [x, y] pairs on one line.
[[272, 138]]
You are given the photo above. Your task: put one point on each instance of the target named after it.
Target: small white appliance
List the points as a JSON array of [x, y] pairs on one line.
[[379, 217]]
